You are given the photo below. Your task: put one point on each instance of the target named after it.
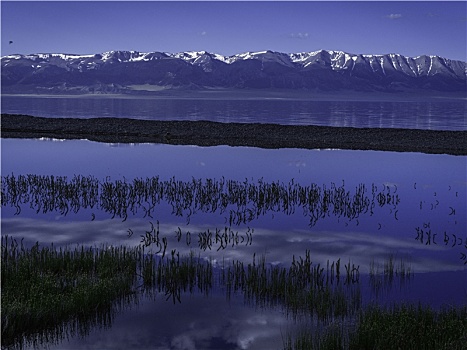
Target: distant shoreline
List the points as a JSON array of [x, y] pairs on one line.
[[206, 133], [256, 94]]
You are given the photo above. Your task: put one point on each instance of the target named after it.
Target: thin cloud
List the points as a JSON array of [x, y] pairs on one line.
[[394, 16], [299, 35], [203, 33]]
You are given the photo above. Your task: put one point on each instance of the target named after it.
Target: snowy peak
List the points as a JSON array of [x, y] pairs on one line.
[[336, 60], [323, 70], [130, 56]]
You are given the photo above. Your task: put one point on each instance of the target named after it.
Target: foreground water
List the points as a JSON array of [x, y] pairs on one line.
[[430, 114], [408, 207]]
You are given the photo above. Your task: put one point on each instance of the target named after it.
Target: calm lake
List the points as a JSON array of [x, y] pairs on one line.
[[363, 208], [433, 114]]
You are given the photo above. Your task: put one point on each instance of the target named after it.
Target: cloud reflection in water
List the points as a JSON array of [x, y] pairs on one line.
[[428, 187]]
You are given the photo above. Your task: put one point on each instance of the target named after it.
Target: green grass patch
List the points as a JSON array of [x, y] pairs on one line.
[[411, 327], [44, 288], [399, 327]]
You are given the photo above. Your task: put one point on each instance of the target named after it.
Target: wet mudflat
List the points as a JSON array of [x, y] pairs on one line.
[[207, 133]]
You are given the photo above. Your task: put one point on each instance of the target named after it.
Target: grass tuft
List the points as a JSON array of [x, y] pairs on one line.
[[44, 288]]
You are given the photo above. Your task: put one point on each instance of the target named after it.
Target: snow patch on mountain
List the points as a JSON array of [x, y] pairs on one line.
[[322, 69]]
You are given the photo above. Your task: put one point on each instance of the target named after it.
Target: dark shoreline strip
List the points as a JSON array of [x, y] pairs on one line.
[[205, 133]]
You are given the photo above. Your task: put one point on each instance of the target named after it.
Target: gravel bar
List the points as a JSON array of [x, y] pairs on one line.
[[206, 133]]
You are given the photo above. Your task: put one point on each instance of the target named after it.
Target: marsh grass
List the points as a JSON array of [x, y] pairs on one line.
[[174, 275], [45, 289], [411, 327], [399, 327], [302, 288], [328, 339], [394, 327], [384, 275], [50, 293]]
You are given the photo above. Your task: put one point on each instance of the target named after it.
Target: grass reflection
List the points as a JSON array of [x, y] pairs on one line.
[[242, 201]]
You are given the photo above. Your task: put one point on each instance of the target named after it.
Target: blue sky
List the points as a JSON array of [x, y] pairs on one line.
[[369, 27]]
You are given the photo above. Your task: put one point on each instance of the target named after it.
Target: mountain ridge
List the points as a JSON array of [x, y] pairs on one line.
[[322, 70]]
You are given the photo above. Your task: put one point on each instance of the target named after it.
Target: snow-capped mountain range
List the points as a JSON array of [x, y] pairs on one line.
[[138, 72]]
